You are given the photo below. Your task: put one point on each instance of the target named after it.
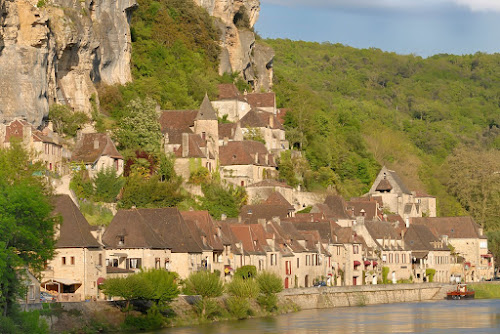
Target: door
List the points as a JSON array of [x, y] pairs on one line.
[[286, 283], [354, 280]]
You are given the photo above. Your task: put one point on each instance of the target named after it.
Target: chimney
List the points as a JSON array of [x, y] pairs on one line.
[[407, 222], [226, 141], [96, 144], [267, 159], [239, 219], [185, 145], [277, 220], [262, 222], [223, 217], [256, 158], [271, 121], [480, 231]]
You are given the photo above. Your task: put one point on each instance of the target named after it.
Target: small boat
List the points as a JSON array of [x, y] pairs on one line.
[[461, 292]]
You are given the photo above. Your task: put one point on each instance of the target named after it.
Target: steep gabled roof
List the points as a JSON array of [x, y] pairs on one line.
[[74, 230], [227, 130], [384, 185], [337, 206], [248, 238], [229, 92], [277, 199], [212, 230], [420, 238], [195, 147], [260, 119], [243, 153], [206, 111], [369, 208], [381, 230], [91, 146], [261, 100], [252, 213], [325, 229], [453, 227]]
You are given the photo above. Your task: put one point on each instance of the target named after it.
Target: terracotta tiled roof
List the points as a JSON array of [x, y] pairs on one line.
[[227, 130], [346, 235], [206, 111], [252, 213], [453, 227], [177, 119], [248, 238], [261, 100], [325, 229], [243, 153], [212, 230], [420, 238], [310, 217], [168, 227], [229, 92], [195, 148], [384, 185], [15, 129], [370, 209], [381, 230], [423, 194], [260, 119], [338, 206], [277, 199], [75, 230], [38, 136], [91, 146], [269, 183]]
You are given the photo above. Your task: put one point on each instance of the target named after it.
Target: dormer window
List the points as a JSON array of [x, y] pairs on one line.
[[250, 212], [121, 240]]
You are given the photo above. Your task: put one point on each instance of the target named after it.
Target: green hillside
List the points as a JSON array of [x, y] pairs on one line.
[[436, 120]]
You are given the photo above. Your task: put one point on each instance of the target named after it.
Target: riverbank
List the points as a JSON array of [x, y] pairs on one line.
[[486, 290], [331, 297]]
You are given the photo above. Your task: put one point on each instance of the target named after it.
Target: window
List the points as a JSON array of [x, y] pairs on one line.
[[121, 240], [115, 263], [64, 260], [72, 260], [274, 259], [397, 258], [483, 244], [298, 263], [134, 263], [32, 292], [391, 258], [384, 258], [308, 260], [157, 263], [403, 258], [338, 250], [100, 259], [288, 267], [355, 249]]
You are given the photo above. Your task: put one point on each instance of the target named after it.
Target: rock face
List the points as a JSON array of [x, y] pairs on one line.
[[58, 52], [240, 52]]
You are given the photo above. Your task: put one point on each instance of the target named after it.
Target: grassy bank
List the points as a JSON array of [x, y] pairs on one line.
[[486, 290]]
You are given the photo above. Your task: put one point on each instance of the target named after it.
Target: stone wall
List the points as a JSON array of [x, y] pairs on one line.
[[330, 297]]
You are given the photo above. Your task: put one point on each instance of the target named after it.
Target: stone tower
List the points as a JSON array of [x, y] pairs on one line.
[[206, 125]]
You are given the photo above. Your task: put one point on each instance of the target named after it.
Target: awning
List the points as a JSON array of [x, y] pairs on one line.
[[420, 255], [63, 281], [119, 254], [357, 263], [486, 255], [375, 263], [100, 280], [367, 263]]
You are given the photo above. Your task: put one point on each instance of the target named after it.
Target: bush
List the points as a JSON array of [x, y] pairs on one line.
[[238, 307], [151, 321], [107, 185], [65, 120], [269, 283], [268, 302], [385, 273], [244, 288], [207, 308], [206, 285], [246, 272], [430, 273]]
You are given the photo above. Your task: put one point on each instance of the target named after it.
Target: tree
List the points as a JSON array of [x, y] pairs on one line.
[[164, 285], [26, 222], [140, 127], [107, 185], [219, 199], [208, 286], [65, 120], [269, 285], [129, 288]]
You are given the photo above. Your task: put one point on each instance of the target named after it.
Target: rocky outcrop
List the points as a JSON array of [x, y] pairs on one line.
[[57, 53], [240, 52]]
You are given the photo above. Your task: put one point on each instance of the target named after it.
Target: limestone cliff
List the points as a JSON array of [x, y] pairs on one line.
[[240, 52], [57, 53]]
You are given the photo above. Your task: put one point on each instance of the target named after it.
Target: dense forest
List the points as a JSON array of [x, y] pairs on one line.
[[436, 121]]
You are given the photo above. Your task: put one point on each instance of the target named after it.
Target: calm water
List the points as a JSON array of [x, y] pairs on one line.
[[471, 316]]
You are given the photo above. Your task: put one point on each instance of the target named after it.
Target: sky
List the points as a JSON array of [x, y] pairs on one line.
[[422, 27]]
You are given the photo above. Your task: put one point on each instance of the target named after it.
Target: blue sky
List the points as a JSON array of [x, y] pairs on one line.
[[422, 27]]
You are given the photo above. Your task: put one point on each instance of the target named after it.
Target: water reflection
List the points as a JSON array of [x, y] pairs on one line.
[[471, 316]]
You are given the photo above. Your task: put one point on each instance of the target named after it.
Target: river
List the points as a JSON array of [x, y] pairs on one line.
[[462, 316]]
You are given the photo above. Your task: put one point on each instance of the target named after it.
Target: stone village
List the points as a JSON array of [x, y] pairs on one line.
[[389, 235]]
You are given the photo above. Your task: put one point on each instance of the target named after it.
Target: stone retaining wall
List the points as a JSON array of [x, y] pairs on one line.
[[330, 297]]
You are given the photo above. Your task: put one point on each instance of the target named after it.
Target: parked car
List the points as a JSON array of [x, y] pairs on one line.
[[46, 297], [319, 284]]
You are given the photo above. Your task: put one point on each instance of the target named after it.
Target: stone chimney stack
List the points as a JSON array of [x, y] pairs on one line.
[[226, 141], [185, 145], [256, 158], [96, 144], [271, 121]]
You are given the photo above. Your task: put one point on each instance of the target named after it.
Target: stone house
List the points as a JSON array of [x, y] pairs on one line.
[[97, 152], [254, 247], [246, 162], [467, 239], [262, 101], [398, 199], [192, 136], [79, 263], [351, 264], [231, 103], [173, 247], [335, 208], [45, 144], [267, 126], [427, 252], [393, 254], [259, 191], [212, 238], [32, 285], [229, 132], [364, 210]]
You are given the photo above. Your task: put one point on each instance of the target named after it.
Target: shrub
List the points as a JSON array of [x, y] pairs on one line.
[[430, 273], [238, 307], [107, 185], [385, 273], [268, 302], [246, 272], [65, 120], [245, 288], [206, 285], [207, 308], [269, 283]]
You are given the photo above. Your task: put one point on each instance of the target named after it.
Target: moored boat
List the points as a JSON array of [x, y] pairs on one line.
[[462, 292]]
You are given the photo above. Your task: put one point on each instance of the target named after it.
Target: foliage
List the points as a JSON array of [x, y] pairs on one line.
[[207, 308], [156, 285], [268, 302], [23, 322], [107, 185], [26, 223], [166, 170], [96, 214], [219, 199], [204, 284], [207, 285], [245, 272], [485, 290], [238, 307], [254, 134], [139, 128], [494, 244], [430, 273], [65, 120], [385, 273], [197, 173], [148, 191], [81, 183], [244, 288], [151, 321], [269, 283]]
